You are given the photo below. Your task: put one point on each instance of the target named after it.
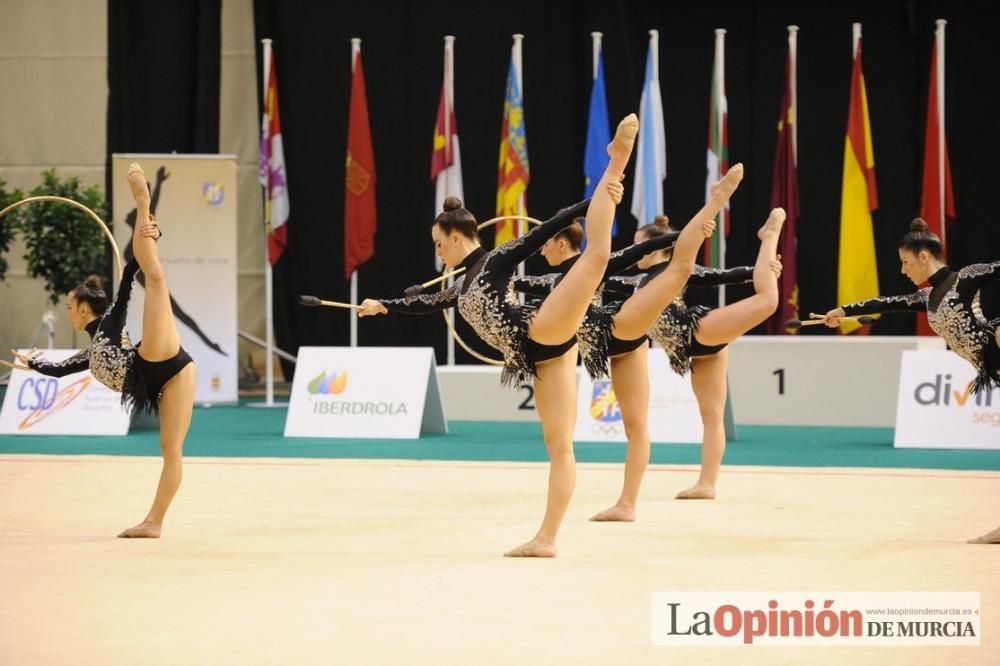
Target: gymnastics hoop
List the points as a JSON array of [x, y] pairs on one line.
[[444, 313], [77, 204]]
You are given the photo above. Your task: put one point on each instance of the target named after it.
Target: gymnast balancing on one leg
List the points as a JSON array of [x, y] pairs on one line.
[[952, 310], [156, 376], [536, 342], [679, 330]]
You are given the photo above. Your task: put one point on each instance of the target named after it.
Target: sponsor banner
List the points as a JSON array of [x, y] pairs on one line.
[[673, 409], [76, 404], [936, 408], [194, 202], [365, 392], [815, 618]]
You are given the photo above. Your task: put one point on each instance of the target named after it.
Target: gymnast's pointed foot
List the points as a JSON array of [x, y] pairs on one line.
[[773, 223], [620, 147], [616, 514], [534, 548], [137, 183], [724, 188], [989, 537], [144, 530], [697, 491]]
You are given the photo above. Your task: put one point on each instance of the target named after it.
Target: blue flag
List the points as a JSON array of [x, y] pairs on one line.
[[595, 156], [651, 162]]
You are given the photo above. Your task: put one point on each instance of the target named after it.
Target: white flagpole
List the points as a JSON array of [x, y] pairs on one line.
[[355, 51], [654, 45], [855, 38], [268, 284], [518, 72], [793, 47], [595, 38], [939, 74], [449, 68], [720, 110]]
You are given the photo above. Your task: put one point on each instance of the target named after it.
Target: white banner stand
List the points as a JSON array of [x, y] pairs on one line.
[[936, 408], [194, 201], [365, 392], [673, 410], [76, 404]]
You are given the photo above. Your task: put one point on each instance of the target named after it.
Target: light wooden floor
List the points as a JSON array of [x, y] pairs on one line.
[[357, 562]]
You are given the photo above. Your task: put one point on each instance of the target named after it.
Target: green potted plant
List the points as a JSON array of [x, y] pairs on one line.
[[8, 224], [63, 243]]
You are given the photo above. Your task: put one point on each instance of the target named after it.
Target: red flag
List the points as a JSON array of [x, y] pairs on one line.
[[444, 135], [359, 180], [932, 208], [785, 194]]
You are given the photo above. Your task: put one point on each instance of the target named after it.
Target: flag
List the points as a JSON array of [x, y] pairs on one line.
[[937, 202], [272, 165], [857, 278], [359, 179], [446, 162], [512, 172], [651, 161], [785, 194], [718, 156], [595, 155]]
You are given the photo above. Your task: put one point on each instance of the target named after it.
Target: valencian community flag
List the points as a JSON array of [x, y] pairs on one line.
[[512, 172]]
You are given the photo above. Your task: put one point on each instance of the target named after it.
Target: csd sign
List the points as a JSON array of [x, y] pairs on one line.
[[37, 393], [76, 404]]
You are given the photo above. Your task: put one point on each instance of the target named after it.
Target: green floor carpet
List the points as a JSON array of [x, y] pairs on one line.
[[248, 432]]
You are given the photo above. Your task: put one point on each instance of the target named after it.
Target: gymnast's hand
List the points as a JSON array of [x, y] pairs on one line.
[[776, 266], [708, 227], [371, 307], [834, 316], [150, 230], [616, 190], [33, 355]]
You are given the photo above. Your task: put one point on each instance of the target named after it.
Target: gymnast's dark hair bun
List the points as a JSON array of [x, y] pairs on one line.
[[455, 217], [91, 292], [920, 237], [660, 226]]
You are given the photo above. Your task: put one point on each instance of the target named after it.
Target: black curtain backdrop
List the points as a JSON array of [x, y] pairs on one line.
[[163, 78], [402, 49]]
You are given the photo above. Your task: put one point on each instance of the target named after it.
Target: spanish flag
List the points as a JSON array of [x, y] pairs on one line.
[[858, 273]]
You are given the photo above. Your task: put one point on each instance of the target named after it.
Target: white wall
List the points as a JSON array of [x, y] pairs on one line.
[[53, 78], [53, 83]]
